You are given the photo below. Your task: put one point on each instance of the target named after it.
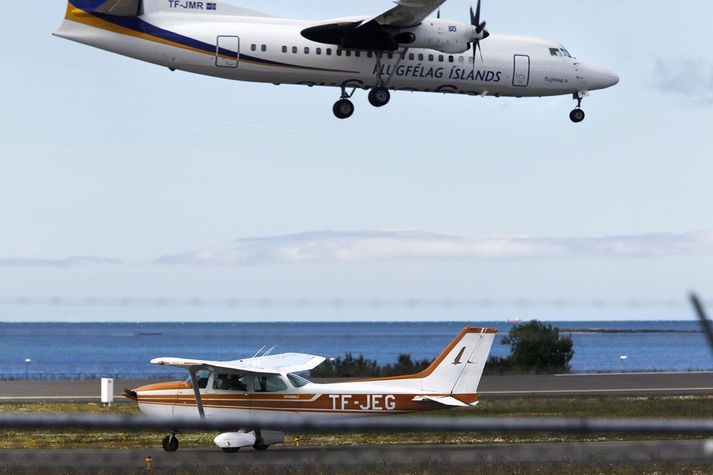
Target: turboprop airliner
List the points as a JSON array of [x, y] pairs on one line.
[[269, 384], [402, 49]]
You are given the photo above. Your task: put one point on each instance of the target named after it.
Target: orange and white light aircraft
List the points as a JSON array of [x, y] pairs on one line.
[[270, 384]]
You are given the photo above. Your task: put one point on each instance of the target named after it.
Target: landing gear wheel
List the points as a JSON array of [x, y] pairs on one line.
[[343, 109], [170, 443], [230, 450], [261, 446], [577, 115], [379, 96]]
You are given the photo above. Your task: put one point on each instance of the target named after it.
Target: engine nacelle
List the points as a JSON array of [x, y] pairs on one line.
[[235, 440], [441, 35]]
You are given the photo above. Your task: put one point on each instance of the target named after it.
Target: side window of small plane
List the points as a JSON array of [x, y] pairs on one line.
[[294, 49], [263, 48], [284, 49], [231, 382], [297, 381], [329, 51], [268, 384]]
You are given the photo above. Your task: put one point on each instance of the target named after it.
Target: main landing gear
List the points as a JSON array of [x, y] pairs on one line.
[[577, 115], [344, 107]]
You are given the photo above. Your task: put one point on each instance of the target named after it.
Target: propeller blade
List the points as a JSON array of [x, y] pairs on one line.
[[476, 21], [472, 17]]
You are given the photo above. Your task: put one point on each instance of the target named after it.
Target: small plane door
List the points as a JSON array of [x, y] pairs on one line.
[[227, 52], [521, 70]]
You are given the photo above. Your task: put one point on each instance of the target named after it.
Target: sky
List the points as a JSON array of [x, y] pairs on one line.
[[122, 179]]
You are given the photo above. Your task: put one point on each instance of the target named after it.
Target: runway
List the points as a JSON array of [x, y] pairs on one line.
[[615, 384], [361, 457]]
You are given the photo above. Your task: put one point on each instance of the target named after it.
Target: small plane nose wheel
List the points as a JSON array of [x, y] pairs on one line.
[[379, 96], [170, 443]]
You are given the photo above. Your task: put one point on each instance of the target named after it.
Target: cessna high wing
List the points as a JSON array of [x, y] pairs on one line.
[[402, 49], [269, 384]]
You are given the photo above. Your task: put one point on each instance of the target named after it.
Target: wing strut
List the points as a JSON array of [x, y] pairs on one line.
[[197, 392]]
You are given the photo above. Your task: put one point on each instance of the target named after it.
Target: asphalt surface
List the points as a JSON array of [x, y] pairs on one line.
[[363, 457], [615, 384]]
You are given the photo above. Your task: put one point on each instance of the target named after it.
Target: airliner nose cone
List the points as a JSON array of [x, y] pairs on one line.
[[599, 78]]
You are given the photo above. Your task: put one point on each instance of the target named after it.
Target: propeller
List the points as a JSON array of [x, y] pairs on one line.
[[480, 32]]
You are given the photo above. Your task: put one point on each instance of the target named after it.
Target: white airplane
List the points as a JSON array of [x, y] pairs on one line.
[[269, 384], [401, 49]]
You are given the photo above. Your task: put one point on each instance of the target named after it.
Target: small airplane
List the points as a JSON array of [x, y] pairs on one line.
[[401, 49], [269, 384]]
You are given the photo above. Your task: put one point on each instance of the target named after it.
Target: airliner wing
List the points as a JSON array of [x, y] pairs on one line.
[[407, 13], [273, 364]]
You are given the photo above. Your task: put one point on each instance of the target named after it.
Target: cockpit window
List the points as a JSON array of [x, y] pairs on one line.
[[202, 377], [297, 381], [560, 52]]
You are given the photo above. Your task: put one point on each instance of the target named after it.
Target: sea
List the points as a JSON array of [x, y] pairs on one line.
[[123, 350]]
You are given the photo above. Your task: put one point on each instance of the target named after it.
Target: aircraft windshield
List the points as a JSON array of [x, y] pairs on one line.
[[560, 52], [297, 381], [202, 377]]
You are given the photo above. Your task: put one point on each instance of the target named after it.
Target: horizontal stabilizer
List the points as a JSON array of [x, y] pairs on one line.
[[445, 400]]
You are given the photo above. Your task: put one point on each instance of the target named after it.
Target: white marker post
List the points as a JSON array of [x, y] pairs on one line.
[[107, 391], [623, 358]]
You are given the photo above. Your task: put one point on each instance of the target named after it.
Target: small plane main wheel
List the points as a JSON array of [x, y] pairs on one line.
[[261, 446], [343, 109], [379, 96], [577, 116], [170, 443], [230, 450]]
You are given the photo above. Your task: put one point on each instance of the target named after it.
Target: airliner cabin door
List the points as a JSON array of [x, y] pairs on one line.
[[521, 71], [227, 52]]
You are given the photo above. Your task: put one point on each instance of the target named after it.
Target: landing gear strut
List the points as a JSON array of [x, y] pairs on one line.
[[344, 108], [577, 115], [170, 442]]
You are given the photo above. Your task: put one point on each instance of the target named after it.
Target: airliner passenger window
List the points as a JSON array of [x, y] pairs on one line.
[[369, 54], [440, 58], [357, 54], [450, 59], [349, 53], [430, 57], [420, 56], [268, 384], [318, 50], [411, 56], [390, 55], [263, 48], [294, 49], [329, 51], [339, 52], [253, 47], [306, 49], [284, 49]]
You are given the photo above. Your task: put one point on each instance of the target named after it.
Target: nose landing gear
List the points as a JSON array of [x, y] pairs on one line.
[[170, 442], [578, 115]]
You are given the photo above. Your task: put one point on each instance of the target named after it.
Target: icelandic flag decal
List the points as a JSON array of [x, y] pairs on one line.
[[211, 6]]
